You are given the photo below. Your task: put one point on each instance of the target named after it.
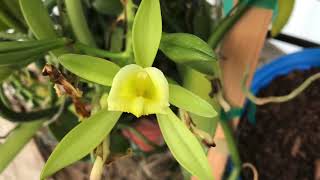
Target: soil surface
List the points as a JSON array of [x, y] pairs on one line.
[[285, 142]]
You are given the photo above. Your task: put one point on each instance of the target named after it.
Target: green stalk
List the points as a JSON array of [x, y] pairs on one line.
[[99, 52], [226, 23], [234, 153], [17, 139], [78, 22], [130, 17]]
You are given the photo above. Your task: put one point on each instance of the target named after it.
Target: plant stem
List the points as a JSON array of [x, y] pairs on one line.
[[232, 149], [78, 22], [130, 17], [99, 52], [226, 23], [17, 139], [278, 99]]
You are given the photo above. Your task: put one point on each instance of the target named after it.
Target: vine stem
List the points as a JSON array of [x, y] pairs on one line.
[[278, 99], [227, 22], [99, 52]]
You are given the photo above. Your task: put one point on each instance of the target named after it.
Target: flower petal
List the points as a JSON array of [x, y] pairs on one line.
[[139, 91]]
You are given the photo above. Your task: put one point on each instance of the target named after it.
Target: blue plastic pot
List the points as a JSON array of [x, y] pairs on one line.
[[302, 60]]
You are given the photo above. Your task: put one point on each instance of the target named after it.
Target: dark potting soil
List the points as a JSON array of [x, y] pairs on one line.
[[285, 142]]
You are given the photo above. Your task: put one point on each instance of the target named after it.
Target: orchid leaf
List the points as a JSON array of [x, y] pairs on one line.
[[39, 21], [188, 49], [184, 146], [11, 46], [285, 10], [146, 33], [21, 55], [90, 68], [189, 101], [17, 139], [80, 141]]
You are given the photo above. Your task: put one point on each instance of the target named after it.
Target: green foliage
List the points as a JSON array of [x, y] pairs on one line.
[[14, 53], [188, 101], [146, 33], [20, 136], [65, 123], [80, 141], [38, 19], [184, 146], [78, 21], [285, 8], [90, 68], [6, 71], [189, 50], [124, 39]]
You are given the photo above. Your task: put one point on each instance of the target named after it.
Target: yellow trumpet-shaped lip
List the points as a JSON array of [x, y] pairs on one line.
[[140, 91]]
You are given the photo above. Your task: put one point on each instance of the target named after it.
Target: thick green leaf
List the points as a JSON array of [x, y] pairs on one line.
[[38, 20], [17, 139], [190, 50], [146, 35], [188, 101], [90, 68], [9, 46], [23, 56], [184, 146], [80, 141], [284, 12]]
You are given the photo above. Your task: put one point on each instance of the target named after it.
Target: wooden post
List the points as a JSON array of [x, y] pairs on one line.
[[240, 50]]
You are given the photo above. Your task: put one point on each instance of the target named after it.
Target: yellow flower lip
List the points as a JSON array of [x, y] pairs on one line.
[[140, 91]]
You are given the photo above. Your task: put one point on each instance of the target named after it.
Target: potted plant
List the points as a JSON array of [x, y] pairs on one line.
[[109, 65]]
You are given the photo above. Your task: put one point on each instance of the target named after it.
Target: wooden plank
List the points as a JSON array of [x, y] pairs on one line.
[[240, 49]]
